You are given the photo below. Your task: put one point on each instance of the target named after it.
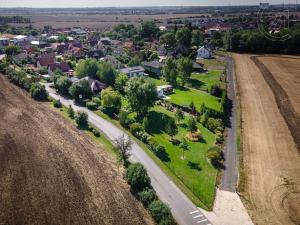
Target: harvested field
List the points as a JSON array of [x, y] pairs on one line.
[[271, 159], [51, 173], [282, 75]]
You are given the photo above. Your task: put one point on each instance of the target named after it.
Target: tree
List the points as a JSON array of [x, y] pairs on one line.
[[70, 112], [197, 38], [135, 61], [184, 147], [38, 92], [137, 177], [192, 125], [168, 39], [170, 71], [12, 50], [171, 128], [111, 100], [179, 115], [62, 84], [121, 81], [87, 67], [80, 91], [192, 107], [185, 69], [124, 118], [214, 154], [147, 196], [160, 212], [141, 94], [183, 37], [124, 145], [81, 118], [107, 73], [149, 29]]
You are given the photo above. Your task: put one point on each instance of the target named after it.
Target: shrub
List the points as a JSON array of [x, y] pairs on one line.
[[62, 84], [146, 124], [97, 100], [135, 128], [38, 92], [26, 83], [57, 103], [160, 212], [124, 118], [214, 154], [212, 124], [147, 196], [215, 90], [81, 118], [91, 105], [96, 132], [70, 112], [192, 125], [137, 177]]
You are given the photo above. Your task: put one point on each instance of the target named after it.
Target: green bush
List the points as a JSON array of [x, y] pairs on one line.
[[147, 196], [70, 112], [81, 118], [91, 105], [161, 213], [137, 177], [214, 154], [38, 92], [97, 100], [96, 132], [57, 103], [135, 128], [124, 118]]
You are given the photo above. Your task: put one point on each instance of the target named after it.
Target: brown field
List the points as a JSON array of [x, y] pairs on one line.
[[97, 21], [271, 159], [51, 173]]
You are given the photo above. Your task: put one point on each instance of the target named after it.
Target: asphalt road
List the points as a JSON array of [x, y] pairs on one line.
[[229, 179], [183, 210]]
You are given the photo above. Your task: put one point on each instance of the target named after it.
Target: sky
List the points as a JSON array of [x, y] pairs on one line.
[[130, 3]]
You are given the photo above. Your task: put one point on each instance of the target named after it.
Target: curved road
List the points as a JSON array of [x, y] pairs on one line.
[[229, 179], [183, 210]]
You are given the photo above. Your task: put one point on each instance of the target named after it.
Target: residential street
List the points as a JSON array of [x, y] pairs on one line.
[[183, 210], [230, 175]]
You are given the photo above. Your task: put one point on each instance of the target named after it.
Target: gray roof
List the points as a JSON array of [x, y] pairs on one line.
[[154, 64], [132, 69]]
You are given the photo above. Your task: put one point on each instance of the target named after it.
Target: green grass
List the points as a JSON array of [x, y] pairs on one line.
[[194, 171], [184, 97], [204, 81], [158, 82], [212, 63]]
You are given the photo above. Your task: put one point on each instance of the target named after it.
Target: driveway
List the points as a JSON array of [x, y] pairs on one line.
[[183, 210]]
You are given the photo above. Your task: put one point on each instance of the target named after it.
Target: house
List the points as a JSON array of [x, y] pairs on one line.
[[164, 90], [204, 53], [63, 66], [129, 45], [21, 57], [20, 38], [153, 67], [39, 44], [105, 41], [95, 53], [4, 41], [96, 86], [118, 52], [45, 60], [76, 52], [162, 51], [133, 71], [112, 60]]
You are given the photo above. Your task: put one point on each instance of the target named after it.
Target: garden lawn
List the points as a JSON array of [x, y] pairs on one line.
[[204, 81], [194, 171], [185, 96]]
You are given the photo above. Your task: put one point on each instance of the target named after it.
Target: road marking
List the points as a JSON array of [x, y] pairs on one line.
[[197, 216], [200, 221], [194, 211]]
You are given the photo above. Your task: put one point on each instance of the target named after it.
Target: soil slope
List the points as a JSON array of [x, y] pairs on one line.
[[271, 159], [50, 173]]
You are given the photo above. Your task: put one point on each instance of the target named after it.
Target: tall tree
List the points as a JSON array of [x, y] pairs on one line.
[[185, 68], [124, 145], [197, 38], [87, 67], [183, 37], [106, 73], [141, 94], [170, 72], [149, 29], [168, 39]]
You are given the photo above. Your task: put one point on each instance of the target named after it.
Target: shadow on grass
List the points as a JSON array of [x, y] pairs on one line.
[[194, 83], [163, 156], [194, 166], [157, 122]]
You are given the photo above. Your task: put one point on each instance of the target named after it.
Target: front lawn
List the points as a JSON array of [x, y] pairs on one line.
[[194, 171], [204, 81], [185, 96]]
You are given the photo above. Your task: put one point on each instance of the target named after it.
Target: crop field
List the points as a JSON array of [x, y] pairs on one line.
[[271, 158], [52, 173]]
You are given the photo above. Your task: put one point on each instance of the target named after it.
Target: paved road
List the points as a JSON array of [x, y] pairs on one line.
[[183, 210], [229, 179]]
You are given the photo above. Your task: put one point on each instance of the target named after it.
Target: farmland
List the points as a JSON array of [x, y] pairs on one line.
[[51, 173], [270, 156]]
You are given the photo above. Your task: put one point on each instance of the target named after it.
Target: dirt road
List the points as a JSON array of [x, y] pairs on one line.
[[50, 173], [271, 160]]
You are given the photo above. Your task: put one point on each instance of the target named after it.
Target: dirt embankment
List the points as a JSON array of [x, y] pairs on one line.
[[50, 173], [286, 103], [271, 159]]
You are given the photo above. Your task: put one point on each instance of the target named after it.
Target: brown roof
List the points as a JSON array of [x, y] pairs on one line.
[[46, 59]]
